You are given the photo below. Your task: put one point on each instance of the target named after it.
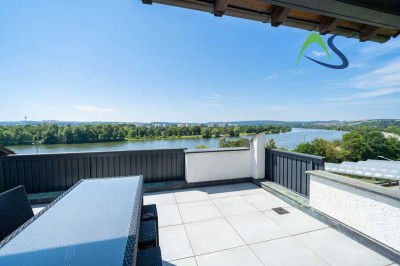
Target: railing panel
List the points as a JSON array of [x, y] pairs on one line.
[[2, 178], [289, 169], [54, 172]]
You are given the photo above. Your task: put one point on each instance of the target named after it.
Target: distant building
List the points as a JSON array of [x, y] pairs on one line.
[[181, 125]]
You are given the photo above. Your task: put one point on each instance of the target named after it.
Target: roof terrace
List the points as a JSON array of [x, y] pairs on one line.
[[240, 206]]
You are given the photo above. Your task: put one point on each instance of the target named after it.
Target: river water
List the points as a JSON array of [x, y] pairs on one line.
[[287, 140]]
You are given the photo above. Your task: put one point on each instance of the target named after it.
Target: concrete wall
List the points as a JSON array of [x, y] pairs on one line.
[[232, 163], [370, 209], [214, 164]]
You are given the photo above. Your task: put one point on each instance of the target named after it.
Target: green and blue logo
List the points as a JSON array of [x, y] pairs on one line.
[[316, 38]]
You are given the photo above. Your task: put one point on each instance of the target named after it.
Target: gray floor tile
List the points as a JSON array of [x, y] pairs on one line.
[[212, 235], [189, 195], [159, 198], [265, 201], [295, 222], [174, 243], [234, 206], [232, 257], [168, 215], [286, 251], [256, 227], [338, 249], [182, 262], [198, 211]]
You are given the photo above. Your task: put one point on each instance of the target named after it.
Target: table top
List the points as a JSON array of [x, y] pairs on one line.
[[94, 223]]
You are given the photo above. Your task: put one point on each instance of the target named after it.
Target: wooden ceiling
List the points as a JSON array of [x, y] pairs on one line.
[[341, 17]]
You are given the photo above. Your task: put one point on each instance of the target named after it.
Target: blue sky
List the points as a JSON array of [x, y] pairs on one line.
[[124, 61]]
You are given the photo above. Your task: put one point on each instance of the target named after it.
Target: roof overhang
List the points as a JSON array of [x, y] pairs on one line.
[[367, 20]]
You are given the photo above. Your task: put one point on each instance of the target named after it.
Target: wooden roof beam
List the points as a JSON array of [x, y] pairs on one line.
[[220, 7], [367, 32], [278, 15], [327, 24]]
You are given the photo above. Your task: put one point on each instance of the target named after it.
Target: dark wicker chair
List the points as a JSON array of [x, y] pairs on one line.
[[149, 212], [15, 210], [148, 235], [149, 257]]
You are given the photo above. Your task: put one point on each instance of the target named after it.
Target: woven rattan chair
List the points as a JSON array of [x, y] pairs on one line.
[[149, 257], [148, 235], [15, 210], [149, 212]]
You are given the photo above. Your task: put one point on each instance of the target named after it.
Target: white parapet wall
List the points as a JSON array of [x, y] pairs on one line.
[[217, 164], [370, 209], [226, 163]]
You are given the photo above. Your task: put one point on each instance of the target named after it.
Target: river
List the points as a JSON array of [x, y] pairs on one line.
[[287, 140]]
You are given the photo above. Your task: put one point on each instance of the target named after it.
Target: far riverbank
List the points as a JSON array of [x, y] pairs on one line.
[[288, 140]]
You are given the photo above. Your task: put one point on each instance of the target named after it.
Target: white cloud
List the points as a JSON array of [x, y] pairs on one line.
[[318, 54], [369, 94], [375, 49], [295, 71], [382, 77], [92, 108], [382, 81], [357, 65], [212, 100], [372, 51], [213, 97], [271, 77], [377, 93]]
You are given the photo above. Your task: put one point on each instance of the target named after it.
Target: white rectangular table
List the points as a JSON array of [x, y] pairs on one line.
[[96, 222]]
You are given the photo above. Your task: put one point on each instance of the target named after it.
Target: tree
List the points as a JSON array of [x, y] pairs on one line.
[[236, 131], [368, 143], [223, 143], [68, 137], [305, 148], [271, 144], [196, 130], [206, 133], [216, 132], [320, 147]]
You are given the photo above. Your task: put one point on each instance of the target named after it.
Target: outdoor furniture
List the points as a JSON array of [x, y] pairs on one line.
[[96, 222], [15, 210], [149, 257], [149, 212], [148, 235]]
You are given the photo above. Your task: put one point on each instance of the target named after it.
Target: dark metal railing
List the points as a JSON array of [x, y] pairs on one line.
[[288, 169], [55, 172]]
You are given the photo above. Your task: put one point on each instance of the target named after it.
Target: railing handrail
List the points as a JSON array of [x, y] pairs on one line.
[[298, 155], [86, 153]]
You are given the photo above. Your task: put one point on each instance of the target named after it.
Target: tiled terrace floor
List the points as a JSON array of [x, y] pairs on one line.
[[235, 225]]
